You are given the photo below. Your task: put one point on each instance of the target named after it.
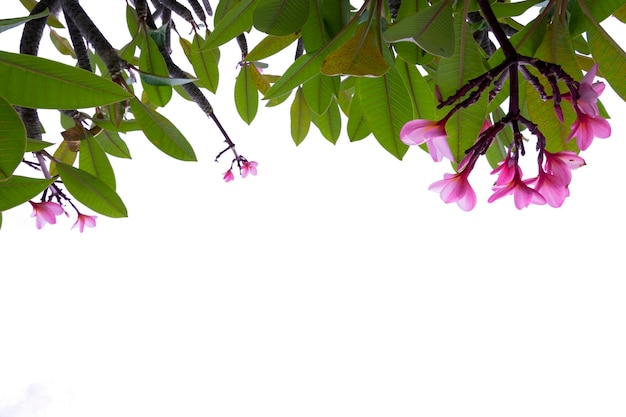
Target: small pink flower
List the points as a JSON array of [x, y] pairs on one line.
[[588, 93], [228, 175], [84, 220], [523, 195], [417, 132], [560, 164], [586, 128], [46, 212], [456, 188], [506, 171], [249, 167]]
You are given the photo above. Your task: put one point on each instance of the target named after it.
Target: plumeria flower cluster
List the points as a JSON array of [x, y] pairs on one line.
[[550, 185], [47, 211], [245, 168]]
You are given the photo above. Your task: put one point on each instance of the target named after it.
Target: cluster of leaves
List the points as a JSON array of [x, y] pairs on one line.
[[373, 68]]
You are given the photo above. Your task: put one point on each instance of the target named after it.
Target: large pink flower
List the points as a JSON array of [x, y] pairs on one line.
[[560, 164], [249, 167], [46, 212], [586, 128], [84, 220], [523, 195], [551, 188], [456, 188], [419, 131]]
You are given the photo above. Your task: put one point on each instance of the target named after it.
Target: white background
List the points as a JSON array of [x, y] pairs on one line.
[[333, 283]]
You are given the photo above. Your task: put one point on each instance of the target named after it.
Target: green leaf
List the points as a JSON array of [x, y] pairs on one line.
[[246, 95], [452, 73], [34, 145], [92, 192], [113, 144], [152, 62], [420, 92], [12, 139], [357, 128], [41, 83], [124, 126], [431, 29], [237, 20], [300, 117], [280, 17], [329, 123], [512, 9], [205, 63], [600, 10], [62, 44], [161, 132], [319, 92], [157, 80], [63, 154], [93, 159], [387, 107], [271, 45], [6, 24], [51, 21], [610, 57], [17, 190], [336, 14], [308, 65]]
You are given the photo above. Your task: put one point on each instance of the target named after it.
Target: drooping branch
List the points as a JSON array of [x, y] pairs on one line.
[[73, 10], [29, 45]]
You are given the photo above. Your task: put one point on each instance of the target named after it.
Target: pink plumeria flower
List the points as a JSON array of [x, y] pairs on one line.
[[551, 188], [561, 164], [586, 128], [588, 93], [228, 175], [46, 213], [249, 167], [84, 220], [455, 188], [506, 171], [523, 195], [417, 132]]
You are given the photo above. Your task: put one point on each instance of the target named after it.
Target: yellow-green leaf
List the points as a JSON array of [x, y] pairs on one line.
[[360, 56]]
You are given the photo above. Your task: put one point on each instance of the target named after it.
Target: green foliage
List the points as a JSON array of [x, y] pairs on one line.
[[45, 84], [12, 139], [359, 66]]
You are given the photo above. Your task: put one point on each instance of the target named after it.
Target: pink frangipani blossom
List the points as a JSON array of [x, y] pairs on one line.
[[551, 188], [560, 164], [84, 220], [419, 131], [456, 188], [506, 171], [523, 195], [586, 128], [228, 175], [588, 93], [46, 212], [248, 167]]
